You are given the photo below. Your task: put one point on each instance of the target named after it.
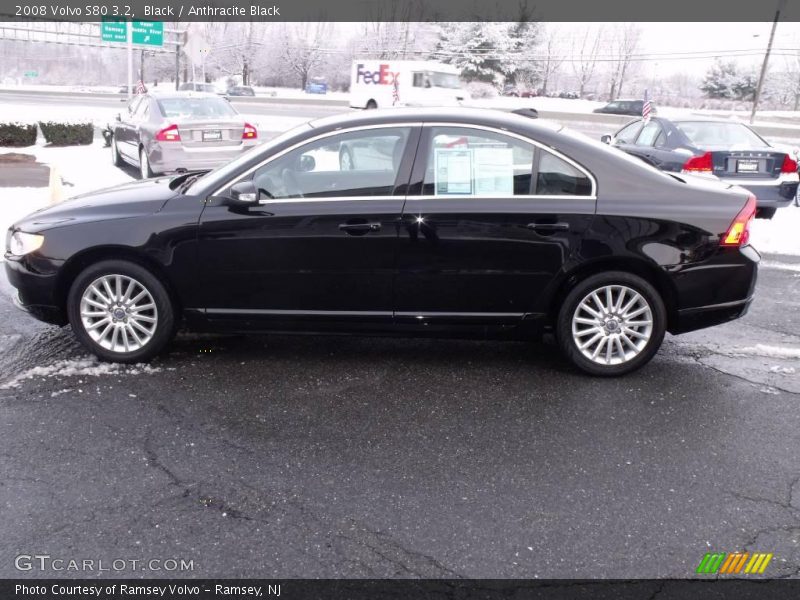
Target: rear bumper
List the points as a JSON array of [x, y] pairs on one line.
[[715, 291], [170, 157], [35, 292], [771, 194]]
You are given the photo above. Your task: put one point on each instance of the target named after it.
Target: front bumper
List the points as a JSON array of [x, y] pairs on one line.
[[35, 291]]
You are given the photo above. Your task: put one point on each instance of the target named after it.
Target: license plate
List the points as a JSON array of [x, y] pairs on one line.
[[747, 166], [212, 136]]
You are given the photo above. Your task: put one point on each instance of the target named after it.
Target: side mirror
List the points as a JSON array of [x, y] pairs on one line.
[[606, 139], [244, 192], [307, 163]]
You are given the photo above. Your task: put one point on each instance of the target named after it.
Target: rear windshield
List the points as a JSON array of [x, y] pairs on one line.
[[195, 107], [709, 133]]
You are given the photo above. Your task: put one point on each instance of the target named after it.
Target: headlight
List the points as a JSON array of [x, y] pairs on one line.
[[20, 244]]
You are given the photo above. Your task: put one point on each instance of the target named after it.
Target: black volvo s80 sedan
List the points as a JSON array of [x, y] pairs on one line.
[[419, 222]]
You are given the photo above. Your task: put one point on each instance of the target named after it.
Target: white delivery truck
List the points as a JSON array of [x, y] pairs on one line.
[[387, 83]]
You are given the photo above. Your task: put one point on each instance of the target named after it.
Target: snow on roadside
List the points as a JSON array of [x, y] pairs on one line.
[[777, 235], [85, 367]]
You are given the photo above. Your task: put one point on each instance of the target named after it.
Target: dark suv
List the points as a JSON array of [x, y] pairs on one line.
[[625, 107]]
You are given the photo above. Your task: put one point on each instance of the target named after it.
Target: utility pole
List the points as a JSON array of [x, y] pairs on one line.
[[129, 30], [757, 96]]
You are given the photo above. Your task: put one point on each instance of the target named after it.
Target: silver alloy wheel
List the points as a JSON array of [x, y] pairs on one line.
[[144, 164], [346, 161], [612, 325], [119, 313]]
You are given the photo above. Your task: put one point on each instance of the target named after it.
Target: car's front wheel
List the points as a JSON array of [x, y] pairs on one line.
[[120, 311], [611, 323]]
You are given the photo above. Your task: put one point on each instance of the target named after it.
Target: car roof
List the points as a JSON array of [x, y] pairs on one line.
[[461, 116], [182, 94]]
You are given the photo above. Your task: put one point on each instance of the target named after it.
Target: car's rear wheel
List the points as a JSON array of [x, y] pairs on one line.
[[144, 165], [346, 159], [116, 159], [611, 323], [372, 104], [120, 311]]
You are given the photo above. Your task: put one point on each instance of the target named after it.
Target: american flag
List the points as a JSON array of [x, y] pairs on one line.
[[646, 108], [140, 87], [395, 91]]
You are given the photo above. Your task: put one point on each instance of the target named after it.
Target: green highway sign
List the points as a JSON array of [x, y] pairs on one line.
[[31, 73], [144, 33], [149, 33], [113, 31]]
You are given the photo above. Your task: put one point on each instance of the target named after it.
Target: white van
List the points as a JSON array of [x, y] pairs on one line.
[[387, 83]]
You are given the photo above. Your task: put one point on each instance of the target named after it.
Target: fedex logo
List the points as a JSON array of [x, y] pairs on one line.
[[383, 76]]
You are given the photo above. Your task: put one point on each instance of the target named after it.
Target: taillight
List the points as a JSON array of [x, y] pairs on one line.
[[699, 164], [250, 132], [169, 134], [789, 165], [738, 233]]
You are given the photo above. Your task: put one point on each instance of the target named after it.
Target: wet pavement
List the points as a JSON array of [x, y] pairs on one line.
[[357, 457]]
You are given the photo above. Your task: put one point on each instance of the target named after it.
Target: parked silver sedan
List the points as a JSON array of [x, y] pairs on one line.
[[165, 131]]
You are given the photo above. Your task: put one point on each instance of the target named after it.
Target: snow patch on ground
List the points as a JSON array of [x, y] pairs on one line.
[[778, 235], [767, 351], [18, 202], [86, 367]]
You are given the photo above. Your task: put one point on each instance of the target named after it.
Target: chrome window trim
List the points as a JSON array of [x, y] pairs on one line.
[[500, 131]]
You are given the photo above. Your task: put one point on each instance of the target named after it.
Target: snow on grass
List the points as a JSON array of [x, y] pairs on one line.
[[779, 234], [85, 367]]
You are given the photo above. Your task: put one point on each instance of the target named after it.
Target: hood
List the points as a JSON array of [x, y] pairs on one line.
[[119, 202]]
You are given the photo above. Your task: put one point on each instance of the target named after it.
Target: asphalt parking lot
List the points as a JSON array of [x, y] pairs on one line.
[[358, 457]]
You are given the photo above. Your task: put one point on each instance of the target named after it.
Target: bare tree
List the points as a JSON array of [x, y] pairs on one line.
[[584, 61], [304, 48], [625, 42], [552, 59]]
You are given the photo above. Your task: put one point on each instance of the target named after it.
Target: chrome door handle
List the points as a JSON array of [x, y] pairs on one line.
[[560, 226]]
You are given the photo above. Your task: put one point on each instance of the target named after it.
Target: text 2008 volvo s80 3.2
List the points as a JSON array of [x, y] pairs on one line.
[[426, 222]]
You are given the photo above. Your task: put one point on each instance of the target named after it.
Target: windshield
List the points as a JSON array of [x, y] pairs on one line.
[[195, 107], [222, 174], [710, 133], [445, 80]]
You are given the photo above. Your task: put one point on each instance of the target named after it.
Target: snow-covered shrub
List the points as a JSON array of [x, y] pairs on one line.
[[17, 134], [480, 89], [67, 134]]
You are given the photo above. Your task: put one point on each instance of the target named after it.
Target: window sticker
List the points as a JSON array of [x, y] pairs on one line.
[[494, 171], [453, 171]]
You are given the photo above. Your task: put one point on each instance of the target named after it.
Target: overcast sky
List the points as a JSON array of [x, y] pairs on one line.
[[663, 38]]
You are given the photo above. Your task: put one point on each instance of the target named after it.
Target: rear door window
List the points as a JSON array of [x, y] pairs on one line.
[[472, 162], [556, 177]]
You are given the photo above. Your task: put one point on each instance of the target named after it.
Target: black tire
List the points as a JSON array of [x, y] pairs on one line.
[[765, 213], [165, 325], [145, 172], [372, 105], [564, 332], [116, 159]]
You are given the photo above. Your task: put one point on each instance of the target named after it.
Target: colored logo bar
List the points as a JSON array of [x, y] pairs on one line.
[[733, 563]]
